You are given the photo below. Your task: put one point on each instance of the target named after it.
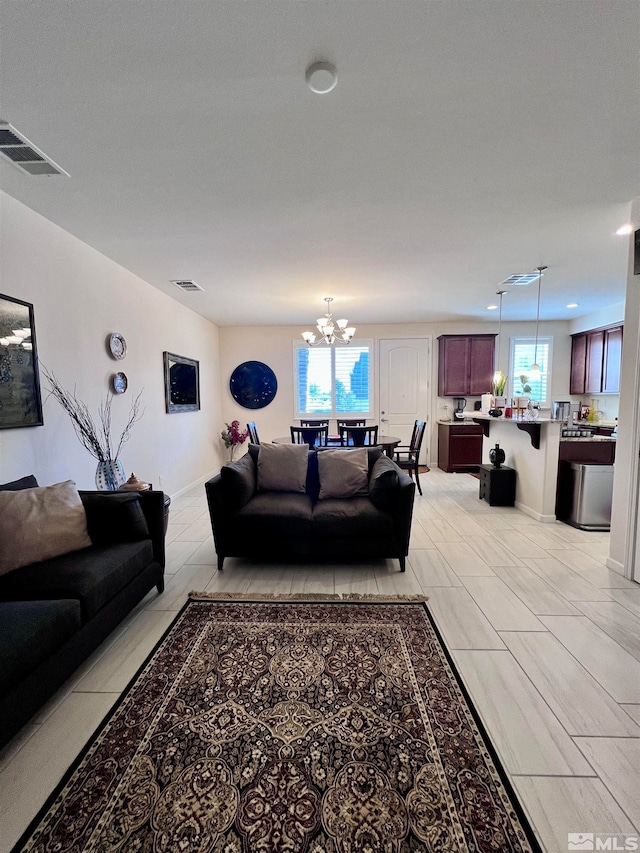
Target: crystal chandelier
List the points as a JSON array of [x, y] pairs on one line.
[[330, 330]]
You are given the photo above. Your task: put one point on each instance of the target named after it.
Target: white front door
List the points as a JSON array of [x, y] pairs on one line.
[[404, 371]]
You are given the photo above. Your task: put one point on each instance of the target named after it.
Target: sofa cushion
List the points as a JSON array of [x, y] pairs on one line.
[[36, 524], [383, 483], [282, 467], [350, 517], [94, 575], [30, 631], [274, 514], [239, 481], [115, 517], [28, 482], [343, 473]]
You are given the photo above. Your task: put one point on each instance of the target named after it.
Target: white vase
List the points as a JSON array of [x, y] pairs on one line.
[[110, 475]]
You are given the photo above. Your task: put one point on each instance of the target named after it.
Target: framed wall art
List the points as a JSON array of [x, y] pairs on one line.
[[20, 400], [253, 384], [181, 383]]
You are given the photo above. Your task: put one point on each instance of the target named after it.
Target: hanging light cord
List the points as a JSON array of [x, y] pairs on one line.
[[500, 294], [535, 352]]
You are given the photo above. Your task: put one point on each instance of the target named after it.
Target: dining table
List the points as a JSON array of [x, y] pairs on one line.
[[387, 442]]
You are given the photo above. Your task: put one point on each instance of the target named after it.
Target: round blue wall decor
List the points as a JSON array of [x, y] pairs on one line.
[[253, 385]]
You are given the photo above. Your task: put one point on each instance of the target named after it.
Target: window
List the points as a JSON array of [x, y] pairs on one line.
[[333, 381], [523, 355]]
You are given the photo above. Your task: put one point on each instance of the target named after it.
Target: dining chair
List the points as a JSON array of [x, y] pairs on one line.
[[322, 423], [253, 433], [313, 436], [359, 436], [407, 456], [358, 422]]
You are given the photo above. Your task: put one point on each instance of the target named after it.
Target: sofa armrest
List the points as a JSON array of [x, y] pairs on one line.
[[403, 509], [152, 505]]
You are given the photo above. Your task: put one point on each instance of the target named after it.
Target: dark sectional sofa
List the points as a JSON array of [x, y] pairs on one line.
[[54, 613], [247, 522]]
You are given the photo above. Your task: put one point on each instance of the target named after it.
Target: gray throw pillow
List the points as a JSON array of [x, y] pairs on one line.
[[383, 483], [343, 473], [239, 481], [282, 467]]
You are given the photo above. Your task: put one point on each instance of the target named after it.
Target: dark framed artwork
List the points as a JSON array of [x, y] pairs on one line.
[[20, 400], [181, 383], [253, 384]]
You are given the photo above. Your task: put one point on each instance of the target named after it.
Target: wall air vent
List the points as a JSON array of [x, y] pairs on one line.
[[186, 284], [521, 278], [23, 154]]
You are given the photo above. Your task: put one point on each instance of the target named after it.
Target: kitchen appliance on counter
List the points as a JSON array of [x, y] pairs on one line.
[[458, 412], [561, 410]]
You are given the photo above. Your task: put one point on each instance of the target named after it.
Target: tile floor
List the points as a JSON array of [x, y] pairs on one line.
[[546, 638]]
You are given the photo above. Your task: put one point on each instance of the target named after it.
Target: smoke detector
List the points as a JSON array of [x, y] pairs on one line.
[[20, 152], [321, 77]]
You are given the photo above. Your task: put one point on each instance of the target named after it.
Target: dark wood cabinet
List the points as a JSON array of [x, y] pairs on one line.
[[465, 365], [459, 447], [497, 485], [596, 358]]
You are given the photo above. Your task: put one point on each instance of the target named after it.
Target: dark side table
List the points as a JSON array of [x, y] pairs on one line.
[[497, 485]]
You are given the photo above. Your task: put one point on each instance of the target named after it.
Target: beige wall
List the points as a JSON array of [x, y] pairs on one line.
[[274, 346], [79, 297]]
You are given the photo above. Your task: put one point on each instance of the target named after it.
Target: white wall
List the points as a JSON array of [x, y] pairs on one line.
[[624, 515], [274, 346], [79, 297]]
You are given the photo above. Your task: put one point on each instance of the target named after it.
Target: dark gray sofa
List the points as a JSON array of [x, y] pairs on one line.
[[53, 614], [284, 525]]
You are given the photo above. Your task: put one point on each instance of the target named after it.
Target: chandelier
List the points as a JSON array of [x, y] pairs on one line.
[[330, 330]]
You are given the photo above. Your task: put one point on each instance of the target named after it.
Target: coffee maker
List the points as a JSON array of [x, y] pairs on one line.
[[458, 412]]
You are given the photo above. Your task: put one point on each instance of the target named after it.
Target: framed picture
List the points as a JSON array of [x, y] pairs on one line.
[[181, 383], [20, 400]]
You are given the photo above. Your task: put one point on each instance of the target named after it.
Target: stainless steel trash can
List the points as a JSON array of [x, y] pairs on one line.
[[592, 494]]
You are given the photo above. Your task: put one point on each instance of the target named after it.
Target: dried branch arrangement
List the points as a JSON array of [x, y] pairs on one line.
[[96, 439]]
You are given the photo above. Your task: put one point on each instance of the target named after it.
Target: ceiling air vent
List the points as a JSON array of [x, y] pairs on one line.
[[17, 149], [186, 284], [521, 278]]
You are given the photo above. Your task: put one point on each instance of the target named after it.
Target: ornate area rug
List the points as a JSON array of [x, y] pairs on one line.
[[327, 727]]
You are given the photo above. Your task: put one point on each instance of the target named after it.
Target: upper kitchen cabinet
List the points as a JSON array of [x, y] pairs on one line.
[[595, 361], [465, 365]]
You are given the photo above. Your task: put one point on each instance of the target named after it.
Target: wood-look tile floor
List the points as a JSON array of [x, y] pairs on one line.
[[546, 638]]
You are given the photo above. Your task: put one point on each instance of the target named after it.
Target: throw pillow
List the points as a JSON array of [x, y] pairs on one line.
[[282, 467], [383, 483], [28, 482], [343, 473], [239, 481], [36, 524], [115, 517]]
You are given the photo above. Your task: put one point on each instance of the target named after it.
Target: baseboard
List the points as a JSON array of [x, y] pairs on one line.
[[195, 483], [615, 565], [545, 519]]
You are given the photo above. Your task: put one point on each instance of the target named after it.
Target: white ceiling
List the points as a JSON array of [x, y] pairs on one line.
[[464, 142]]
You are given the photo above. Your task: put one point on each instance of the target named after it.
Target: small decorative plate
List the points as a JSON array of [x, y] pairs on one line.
[[253, 385], [120, 383], [117, 345]]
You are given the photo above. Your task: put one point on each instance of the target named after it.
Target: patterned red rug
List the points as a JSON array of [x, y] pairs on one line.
[[327, 727]]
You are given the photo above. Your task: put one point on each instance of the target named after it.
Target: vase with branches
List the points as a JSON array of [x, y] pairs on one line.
[[96, 438], [233, 437]]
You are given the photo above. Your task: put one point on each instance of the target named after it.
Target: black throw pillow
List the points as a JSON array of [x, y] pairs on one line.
[[383, 484], [28, 482], [115, 517]]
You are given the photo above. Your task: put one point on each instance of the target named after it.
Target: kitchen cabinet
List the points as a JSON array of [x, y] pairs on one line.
[[459, 446], [596, 358], [465, 365]]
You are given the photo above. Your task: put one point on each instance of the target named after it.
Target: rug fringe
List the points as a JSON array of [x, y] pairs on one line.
[[195, 595]]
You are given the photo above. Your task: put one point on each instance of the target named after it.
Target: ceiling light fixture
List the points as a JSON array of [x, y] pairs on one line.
[[330, 331], [321, 77], [534, 370], [498, 377], [624, 230]]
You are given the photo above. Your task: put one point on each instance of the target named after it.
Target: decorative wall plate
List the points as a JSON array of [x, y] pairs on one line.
[[120, 383], [253, 385], [117, 345]]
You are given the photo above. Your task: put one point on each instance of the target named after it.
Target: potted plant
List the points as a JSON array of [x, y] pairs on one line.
[[233, 437]]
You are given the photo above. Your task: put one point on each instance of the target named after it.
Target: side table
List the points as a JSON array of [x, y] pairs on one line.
[[497, 485]]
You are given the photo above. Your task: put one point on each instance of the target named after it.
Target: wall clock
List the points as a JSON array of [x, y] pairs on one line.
[[117, 345], [253, 385]]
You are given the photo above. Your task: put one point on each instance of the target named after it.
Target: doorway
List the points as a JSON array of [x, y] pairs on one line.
[[404, 371]]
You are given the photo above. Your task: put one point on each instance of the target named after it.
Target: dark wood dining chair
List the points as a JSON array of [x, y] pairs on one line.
[[322, 423], [253, 433], [407, 456], [313, 436], [358, 422], [359, 436]]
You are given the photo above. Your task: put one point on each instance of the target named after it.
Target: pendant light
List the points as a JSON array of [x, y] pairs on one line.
[[534, 370], [498, 376]]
